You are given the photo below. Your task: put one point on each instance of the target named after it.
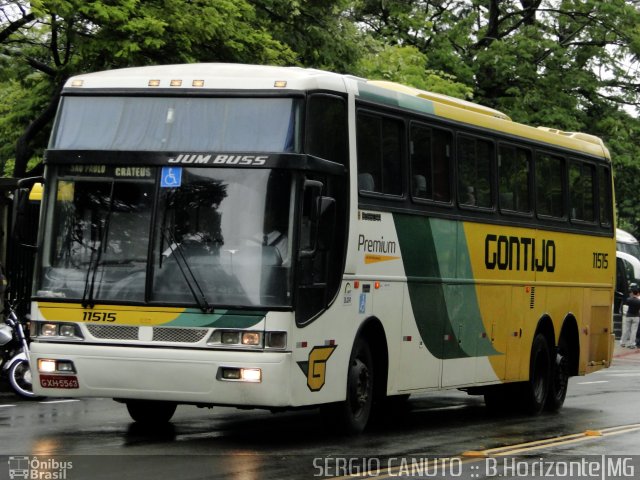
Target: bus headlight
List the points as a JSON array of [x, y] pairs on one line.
[[242, 338], [235, 338], [67, 331], [251, 338], [49, 330]]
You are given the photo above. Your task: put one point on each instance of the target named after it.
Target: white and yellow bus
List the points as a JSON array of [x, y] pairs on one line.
[[275, 237]]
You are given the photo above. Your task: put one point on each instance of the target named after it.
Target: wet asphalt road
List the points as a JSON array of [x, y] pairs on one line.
[[95, 438]]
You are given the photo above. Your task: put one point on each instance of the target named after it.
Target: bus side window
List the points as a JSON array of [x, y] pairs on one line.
[[604, 194], [550, 185], [327, 132], [430, 163], [475, 159], [514, 178], [379, 143], [582, 178]]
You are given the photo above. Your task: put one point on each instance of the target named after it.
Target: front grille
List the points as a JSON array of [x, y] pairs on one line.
[[113, 332], [160, 334], [178, 335]]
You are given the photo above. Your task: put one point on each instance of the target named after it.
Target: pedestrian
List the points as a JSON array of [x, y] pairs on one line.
[[630, 318]]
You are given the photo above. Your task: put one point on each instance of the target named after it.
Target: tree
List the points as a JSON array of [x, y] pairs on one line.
[[43, 42], [407, 65], [319, 31], [567, 64]]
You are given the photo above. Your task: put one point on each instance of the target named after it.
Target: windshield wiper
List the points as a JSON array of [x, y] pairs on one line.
[[186, 271], [87, 296]]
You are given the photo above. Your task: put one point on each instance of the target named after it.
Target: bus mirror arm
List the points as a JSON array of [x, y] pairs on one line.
[[29, 182], [322, 225]]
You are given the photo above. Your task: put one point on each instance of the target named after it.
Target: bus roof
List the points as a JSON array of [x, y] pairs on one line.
[[224, 76], [625, 237], [218, 76]]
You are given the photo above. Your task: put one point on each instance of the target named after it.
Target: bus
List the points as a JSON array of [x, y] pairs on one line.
[[627, 243], [280, 237], [627, 273]]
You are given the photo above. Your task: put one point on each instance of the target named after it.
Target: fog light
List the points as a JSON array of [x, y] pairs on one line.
[[231, 374], [46, 365], [251, 374], [49, 330], [65, 366]]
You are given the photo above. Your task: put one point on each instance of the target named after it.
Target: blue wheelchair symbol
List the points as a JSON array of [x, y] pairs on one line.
[[171, 177], [363, 303]]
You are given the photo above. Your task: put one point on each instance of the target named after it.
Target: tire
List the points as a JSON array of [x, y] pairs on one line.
[[21, 380], [352, 415], [559, 377], [536, 390], [150, 412]]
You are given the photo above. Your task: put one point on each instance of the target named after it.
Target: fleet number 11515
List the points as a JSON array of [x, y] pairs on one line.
[[98, 316], [600, 260]]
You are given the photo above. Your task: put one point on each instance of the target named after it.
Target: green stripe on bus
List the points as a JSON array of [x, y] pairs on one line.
[[443, 299], [218, 319], [396, 99]]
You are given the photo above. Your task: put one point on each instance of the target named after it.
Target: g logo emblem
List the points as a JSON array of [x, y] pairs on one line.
[[316, 368]]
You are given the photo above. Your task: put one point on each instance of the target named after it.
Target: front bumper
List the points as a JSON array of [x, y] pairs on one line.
[[180, 375]]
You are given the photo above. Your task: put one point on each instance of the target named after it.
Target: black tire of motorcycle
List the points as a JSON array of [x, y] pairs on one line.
[[17, 378]]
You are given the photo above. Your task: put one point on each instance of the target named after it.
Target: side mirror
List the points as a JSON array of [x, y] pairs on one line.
[[318, 220], [26, 211]]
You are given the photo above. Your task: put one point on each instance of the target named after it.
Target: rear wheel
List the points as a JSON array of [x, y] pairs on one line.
[[559, 377], [150, 412], [534, 393]]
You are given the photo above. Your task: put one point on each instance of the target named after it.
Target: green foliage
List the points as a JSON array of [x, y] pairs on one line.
[[318, 31], [407, 65], [567, 64], [58, 38]]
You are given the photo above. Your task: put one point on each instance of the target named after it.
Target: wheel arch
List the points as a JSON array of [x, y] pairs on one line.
[[545, 327]]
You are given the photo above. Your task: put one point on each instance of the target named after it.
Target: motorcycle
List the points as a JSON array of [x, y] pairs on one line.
[[14, 352]]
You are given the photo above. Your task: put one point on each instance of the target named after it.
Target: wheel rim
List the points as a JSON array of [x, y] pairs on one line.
[[561, 378], [360, 387], [21, 379], [540, 376]]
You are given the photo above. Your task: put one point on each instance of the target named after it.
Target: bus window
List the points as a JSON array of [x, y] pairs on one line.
[[475, 157], [379, 154], [604, 192], [326, 132], [514, 174], [430, 150], [550, 185], [581, 182]]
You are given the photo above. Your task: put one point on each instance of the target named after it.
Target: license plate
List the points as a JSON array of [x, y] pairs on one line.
[[53, 381]]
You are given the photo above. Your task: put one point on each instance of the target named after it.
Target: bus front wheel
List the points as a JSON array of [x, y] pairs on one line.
[[353, 414], [150, 412]]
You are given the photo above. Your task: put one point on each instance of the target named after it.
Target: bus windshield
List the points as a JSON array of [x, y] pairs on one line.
[[177, 123], [213, 237]]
